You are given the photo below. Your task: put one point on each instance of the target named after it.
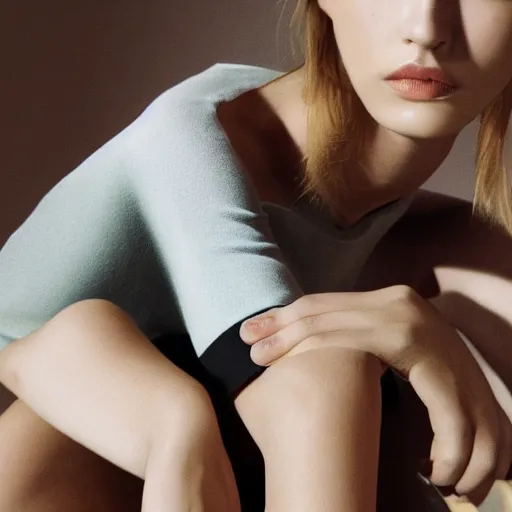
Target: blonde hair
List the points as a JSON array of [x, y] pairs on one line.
[[493, 196], [336, 124]]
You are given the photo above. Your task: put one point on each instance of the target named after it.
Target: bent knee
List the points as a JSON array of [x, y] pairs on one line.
[[90, 319], [87, 323], [94, 309]]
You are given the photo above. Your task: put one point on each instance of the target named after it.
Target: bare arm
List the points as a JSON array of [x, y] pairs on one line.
[[93, 375], [124, 400], [464, 266], [316, 419]]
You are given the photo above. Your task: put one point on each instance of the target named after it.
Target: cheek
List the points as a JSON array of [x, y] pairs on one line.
[[357, 26], [489, 40]]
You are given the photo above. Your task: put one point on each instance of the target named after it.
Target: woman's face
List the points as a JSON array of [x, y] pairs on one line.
[[469, 40]]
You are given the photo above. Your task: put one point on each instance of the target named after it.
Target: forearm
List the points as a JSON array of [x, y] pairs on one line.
[[316, 418], [470, 321], [99, 380], [471, 264], [464, 266]]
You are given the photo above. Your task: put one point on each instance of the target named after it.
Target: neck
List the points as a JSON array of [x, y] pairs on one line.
[[393, 166]]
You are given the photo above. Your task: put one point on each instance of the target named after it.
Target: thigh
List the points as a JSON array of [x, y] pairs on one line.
[[42, 470]]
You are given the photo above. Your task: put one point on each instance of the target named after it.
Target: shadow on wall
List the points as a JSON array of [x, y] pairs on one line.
[[77, 73]]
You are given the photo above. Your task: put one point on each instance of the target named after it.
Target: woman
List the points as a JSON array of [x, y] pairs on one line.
[[197, 217]]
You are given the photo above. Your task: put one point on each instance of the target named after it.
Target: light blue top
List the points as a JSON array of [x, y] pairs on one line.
[[163, 222]]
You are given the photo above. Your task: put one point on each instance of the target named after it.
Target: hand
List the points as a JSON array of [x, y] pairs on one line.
[[472, 436], [193, 472]]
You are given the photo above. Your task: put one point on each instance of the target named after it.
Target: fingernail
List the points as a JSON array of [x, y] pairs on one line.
[[257, 323], [250, 329]]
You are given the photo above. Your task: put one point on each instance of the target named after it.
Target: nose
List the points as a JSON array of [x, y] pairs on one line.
[[427, 23]]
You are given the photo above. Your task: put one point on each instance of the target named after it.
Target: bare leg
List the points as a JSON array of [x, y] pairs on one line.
[[327, 458], [42, 470]]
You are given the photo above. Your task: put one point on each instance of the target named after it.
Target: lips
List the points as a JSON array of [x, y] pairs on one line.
[[421, 83], [413, 72]]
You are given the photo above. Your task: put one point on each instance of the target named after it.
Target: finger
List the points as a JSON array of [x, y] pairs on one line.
[[433, 382], [319, 330], [451, 448], [453, 429], [260, 326], [481, 471], [268, 323], [272, 349]]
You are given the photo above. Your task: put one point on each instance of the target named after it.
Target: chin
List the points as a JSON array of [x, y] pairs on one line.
[[427, 120]]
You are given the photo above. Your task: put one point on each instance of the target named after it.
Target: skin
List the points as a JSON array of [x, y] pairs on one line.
[[174, 446], [466, 274], [472, 40], [411, 138]]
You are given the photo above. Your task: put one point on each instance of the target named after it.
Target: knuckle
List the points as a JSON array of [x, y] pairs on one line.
[[408, 305], [317, 339], [309, 322], [402, 292], [304, 305], [403, 337], [300, 307], [270, 342], [305, 327]]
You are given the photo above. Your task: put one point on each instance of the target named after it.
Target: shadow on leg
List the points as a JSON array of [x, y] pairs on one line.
[[42, 470]]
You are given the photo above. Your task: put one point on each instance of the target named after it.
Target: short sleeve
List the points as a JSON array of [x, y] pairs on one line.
[[78, 243], [162, 222], [213, 237]]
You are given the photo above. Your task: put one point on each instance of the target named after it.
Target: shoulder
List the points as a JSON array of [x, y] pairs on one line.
[[178, 129], [193, 100], [179, 133]]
